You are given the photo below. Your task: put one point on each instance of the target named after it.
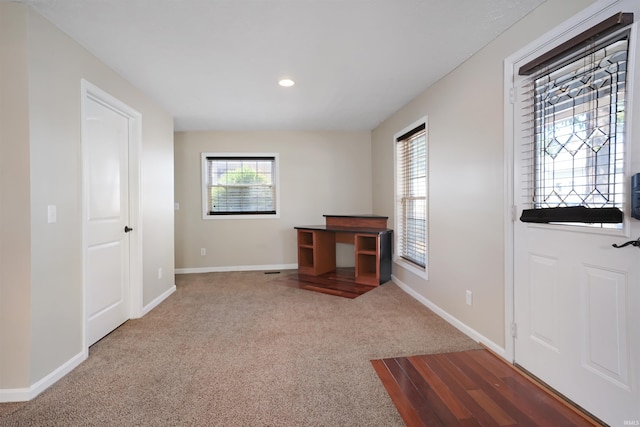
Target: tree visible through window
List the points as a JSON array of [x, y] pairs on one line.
[[237, 185]]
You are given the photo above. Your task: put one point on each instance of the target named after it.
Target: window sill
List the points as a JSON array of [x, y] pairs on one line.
[[239, 216], [412, 268]]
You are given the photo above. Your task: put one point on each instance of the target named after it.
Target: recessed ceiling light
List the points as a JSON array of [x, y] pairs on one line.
[[286, 82]]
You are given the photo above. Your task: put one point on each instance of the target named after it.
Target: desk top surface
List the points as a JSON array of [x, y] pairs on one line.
[[337, 229], [369, 216]]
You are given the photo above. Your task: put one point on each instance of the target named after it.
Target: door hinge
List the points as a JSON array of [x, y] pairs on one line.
[[514, 330], [512, 95]]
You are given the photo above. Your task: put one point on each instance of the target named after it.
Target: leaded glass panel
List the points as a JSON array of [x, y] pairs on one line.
[[579, 129]]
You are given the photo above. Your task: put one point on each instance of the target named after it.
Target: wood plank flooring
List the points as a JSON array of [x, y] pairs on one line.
[[340, 283], [472, 388]]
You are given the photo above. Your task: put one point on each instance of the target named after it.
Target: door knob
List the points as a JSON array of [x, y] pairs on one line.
[[127, 229]]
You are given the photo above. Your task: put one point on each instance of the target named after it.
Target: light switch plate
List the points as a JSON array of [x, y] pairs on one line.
[[52, 214]]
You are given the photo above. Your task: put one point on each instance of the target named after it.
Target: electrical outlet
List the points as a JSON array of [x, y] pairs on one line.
[[203, 251], [469, 298]]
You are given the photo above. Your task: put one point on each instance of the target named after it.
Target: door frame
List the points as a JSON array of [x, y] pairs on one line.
[[90, 91], [563, 30]]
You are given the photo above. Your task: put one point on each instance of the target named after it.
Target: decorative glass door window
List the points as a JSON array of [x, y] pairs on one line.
[[578, 127]]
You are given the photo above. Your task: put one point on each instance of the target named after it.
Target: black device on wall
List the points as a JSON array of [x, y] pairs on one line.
[[635, 196]]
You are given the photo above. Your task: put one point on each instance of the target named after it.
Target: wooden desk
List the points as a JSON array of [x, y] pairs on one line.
[[367, 233]]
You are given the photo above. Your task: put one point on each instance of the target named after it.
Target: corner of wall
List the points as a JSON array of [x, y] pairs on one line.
[[15, 237]]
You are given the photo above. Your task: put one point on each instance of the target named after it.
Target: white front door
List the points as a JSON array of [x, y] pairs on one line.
[[576, 297], [577, 317], [106, 147]]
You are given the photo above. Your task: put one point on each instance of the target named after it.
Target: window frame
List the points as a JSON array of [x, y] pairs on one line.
[[398, 258], [575, 58], [248, 156]]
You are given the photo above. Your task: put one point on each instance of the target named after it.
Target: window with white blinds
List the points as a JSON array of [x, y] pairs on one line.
[[239, 185], [574, 145], [411, 196]]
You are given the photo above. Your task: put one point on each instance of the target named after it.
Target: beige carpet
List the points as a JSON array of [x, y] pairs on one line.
[[238, 349]]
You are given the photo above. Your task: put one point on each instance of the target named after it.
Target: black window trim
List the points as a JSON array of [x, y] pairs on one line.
[[207, 214]]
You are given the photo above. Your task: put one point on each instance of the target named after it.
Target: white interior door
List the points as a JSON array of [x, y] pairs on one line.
[[106, 148], [576, 297]]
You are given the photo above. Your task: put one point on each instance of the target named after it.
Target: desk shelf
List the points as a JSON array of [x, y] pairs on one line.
[[367, 265], [316, 252], [305, 239], [305, 257], [367, 270]]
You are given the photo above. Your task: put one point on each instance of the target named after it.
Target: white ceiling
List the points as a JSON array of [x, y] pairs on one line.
[[214, 64]]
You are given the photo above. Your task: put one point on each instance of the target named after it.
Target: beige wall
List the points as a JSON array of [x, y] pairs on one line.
[[320, 173], [15, 234], [53, 70], [466, 177]]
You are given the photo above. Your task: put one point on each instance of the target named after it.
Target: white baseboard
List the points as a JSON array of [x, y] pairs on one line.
[[464, 328], [28, 393], [237, 268], [153, 304]]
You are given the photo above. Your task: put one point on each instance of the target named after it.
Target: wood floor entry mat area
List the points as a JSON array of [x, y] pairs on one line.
[[339, 283], [470, 388]]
